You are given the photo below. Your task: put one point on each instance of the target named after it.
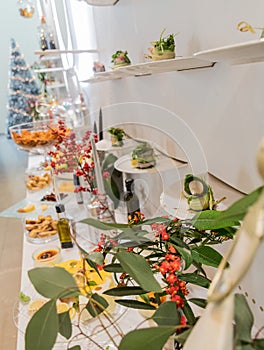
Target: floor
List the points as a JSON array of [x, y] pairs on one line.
[[13, 163]]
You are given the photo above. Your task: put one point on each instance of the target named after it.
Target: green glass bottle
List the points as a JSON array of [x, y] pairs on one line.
[[63, 227]]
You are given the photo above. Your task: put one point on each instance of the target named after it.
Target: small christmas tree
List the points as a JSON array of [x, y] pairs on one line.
[[23, 90]]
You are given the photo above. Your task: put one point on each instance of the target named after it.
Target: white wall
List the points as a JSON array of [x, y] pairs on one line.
[[24, 31], [223, 105]]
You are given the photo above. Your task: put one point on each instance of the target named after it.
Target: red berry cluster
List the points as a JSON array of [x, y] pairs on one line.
[[137, 218], [169, 267], [105, 244]]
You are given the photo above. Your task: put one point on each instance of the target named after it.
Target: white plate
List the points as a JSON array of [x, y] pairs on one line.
[[178, 206], [163, 163]]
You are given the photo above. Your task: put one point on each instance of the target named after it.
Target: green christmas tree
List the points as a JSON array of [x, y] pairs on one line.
[[23, 90]]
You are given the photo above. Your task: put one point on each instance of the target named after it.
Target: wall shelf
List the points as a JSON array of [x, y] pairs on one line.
[[55, 86], [59, 52], [49, 70], [153, 67], [247, 52]]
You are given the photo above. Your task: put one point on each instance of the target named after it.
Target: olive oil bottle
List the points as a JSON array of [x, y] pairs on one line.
[[63, 227]]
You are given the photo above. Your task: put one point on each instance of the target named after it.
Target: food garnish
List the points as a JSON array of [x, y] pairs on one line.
[[162, 49], [143, 156], [37, 182], [23, 298], [120, 59], [28, 208], [199, 194], [243, 27]]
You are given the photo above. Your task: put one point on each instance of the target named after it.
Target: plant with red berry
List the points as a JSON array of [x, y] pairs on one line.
[[151, 259], [73, 154], [168, 257]]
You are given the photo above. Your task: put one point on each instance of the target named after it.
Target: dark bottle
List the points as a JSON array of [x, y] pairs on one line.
[[52, 45], [131, 199], [63, 227], [43, 34], [78, 194]]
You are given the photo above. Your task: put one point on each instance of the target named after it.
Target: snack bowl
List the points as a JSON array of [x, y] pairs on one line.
[[38, 179], [38, 136], [42, 229], [46, 256]]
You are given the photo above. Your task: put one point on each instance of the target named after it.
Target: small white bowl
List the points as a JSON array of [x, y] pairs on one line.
[[46, 256]]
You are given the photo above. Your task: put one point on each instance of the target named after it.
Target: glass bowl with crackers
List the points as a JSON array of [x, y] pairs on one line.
[[38, 179], [42, 229], [39, 136]]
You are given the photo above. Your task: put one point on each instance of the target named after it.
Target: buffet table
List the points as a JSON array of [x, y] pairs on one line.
[[126, 319]]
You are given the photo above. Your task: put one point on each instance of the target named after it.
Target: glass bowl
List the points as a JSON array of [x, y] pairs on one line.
[[42, 229], [38, 136], [38, 179]]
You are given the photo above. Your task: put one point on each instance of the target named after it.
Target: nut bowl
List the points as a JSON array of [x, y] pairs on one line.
[[38, 180], [42, 229], [39, 136]]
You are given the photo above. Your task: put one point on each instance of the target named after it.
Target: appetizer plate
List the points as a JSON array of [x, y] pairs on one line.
[[177, 206], [123, 164], [106, 145]]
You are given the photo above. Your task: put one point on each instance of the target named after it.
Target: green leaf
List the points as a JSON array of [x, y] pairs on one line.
[[138, 268], [65, 326], [114, 183], [246, 346], [206, 255], [167, 314], [112, 190], [141, 242], [182, 337], [196, 279], [156, 220], [42, 329], [96, 257], [116, 268], [198, 301], [259, 344], [130, 234], [243, 318], [103, 225], [53, 282], [96, 305], [211, 219], [122, 291], [187, 310], [135, 304], [186, 257], [152, 338], [76, 347], [93, 264]]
